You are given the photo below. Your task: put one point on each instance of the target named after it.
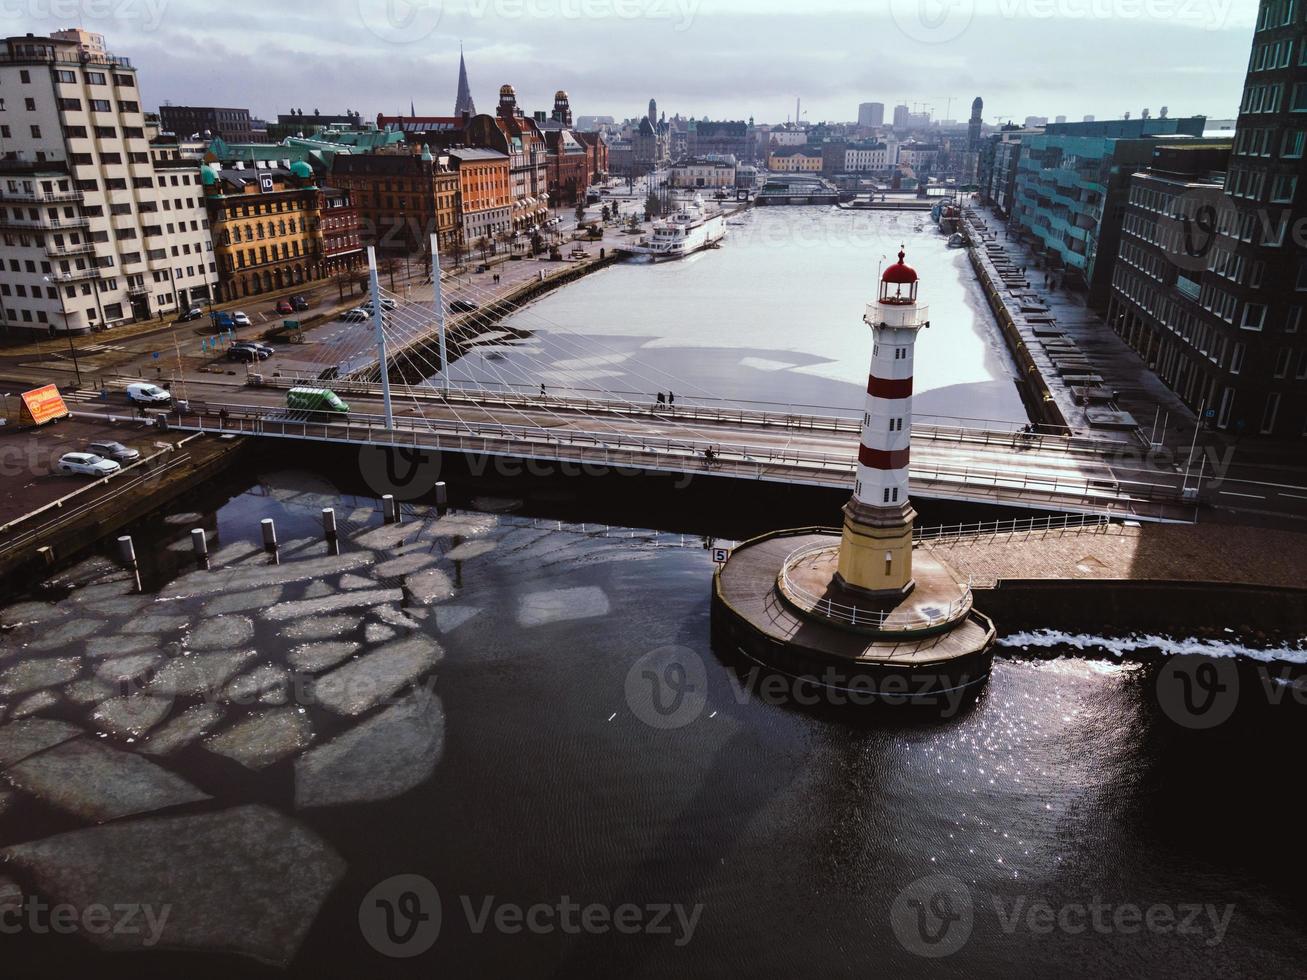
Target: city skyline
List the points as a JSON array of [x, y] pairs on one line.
[[1012, 52]]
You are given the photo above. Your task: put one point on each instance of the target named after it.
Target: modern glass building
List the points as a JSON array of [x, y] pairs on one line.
[[1071, 185]]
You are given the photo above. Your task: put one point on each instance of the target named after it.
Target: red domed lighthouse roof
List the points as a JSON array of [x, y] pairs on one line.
[[900, 272]]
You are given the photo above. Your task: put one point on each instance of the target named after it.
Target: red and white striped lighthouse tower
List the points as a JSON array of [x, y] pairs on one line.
[[876, 545]]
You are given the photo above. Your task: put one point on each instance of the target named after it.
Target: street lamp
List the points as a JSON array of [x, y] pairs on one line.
[[63, 308]]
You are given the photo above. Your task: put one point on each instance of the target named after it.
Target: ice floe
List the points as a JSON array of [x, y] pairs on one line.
[[66, 634], [303, 608], [366, 682], [260, 740], [402, 566], [242, 601], [351, 581], [560, 605], [191, 724], [253, 575], [247, 880], [322, 627], [396, 617], [380, 759], [199, 673], [154, 623], [431, 585], [119, 644], [19, 739], [470, 549], [263, 685], [131, 715], [98, 782], [377, 633], [450, 618], [34, 703], [33, 612], [312, 657], [127, 670], [221, 633], [32, 675], [89, 690], [316, 590]]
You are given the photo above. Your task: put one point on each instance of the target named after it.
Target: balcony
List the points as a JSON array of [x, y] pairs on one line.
[[76, 275], [40, 197], [82, 248]]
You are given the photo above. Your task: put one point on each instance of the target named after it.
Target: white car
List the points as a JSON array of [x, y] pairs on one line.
[[143, 393], [241, 319], [88, 464], [356, 314]]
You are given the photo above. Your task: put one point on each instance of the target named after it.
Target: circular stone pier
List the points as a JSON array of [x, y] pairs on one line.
[[779, 601]]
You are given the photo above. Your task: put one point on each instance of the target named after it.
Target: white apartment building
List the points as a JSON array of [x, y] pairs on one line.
[[871, 157], [95, 231], [713, 173]]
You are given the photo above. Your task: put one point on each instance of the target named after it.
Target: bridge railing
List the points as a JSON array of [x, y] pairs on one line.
[[1033, 525], [618, 449], [862, 616]]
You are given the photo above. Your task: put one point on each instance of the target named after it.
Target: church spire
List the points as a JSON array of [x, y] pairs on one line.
[[464, 101]]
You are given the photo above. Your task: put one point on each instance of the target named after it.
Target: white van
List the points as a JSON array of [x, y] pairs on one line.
[[143, 393]]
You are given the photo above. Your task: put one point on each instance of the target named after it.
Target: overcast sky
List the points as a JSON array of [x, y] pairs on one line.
[[721, 58]]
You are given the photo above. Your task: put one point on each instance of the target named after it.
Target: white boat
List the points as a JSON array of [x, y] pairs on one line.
[[691, 228]]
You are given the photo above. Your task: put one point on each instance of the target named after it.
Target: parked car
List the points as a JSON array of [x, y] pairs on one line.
[[224, 321], [115, 451], [356, 314], [194, 313], [242, 319], [144, 393], [300, 303], [285, 306], [463, 306], [316, 400], [87, 464], [246, 355], [258, 350]]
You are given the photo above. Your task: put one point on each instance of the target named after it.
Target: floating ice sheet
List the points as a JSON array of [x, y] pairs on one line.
[[248, 880], [366, 682], [242, 601], [127, 670], [450, 618], [377, 633], [66, 634], [303, 608], [312, 657], [431, 585], [402, 566], [34, 703], [321, 627], [396, 617], [221, 633], [132, 715], [97, 782], [190, 725], [119, 644], [154, 623], [32, 675], [316, 590], [351, 581], [89, 690], [262, 739], [254, 575], [470, 549], [560, 605], [199, 673], [34, 612], [380, 759], [263, 685], [19, 739]]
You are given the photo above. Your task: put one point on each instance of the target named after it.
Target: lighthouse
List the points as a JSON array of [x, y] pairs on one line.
[[875, 556]]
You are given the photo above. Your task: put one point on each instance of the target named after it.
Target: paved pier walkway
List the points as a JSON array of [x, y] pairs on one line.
[[1162, 553]]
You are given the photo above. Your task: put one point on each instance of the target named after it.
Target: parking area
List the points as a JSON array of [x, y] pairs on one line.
[[28, 458]]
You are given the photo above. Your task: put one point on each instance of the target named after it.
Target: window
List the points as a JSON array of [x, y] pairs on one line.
[[65, 76], [1254, 316], [1269, 415], [70, 105], [100, 105], [29, 105], [36, 132], [1282, 358], [95, 78], [1292, 145], [75, 132], [1283, 188], [129, 107]]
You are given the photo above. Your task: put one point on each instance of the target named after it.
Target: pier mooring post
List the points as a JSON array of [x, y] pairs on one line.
[[127, 552], [200, 545], [269, 535], [442, 495], [329, 523], [389, 509]]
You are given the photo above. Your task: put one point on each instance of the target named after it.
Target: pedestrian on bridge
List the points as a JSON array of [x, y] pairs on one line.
[[542, 390], [671, 397], [661, 400]]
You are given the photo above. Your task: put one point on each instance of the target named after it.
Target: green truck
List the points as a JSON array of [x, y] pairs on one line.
[[316, 400]]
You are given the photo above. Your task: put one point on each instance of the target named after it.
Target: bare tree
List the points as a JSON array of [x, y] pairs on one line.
[[389, 266], [484, 245]]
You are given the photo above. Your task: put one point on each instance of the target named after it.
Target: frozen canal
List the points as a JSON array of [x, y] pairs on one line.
[[486, 703], [774, 315]]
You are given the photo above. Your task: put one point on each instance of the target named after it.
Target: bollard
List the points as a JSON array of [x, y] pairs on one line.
[[200, 545], [269, 534], [442, 496], [46, 553], [127, 550], [329, 522], [388, 508]]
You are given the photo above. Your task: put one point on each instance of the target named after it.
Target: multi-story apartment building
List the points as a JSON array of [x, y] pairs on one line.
[[716, 174], [266, 226], [794, 159], [862, 158], [97, 230], [485, 193], [871, 115], [402, 198], [342, 242], [183, 121], [1211, 280], [1071, 185]]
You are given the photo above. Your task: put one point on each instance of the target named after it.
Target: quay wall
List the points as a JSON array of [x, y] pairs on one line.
[[1118, 605], [1034, 390]]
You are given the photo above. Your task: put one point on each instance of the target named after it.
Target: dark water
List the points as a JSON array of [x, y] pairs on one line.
[[774, 315], [796, 838]]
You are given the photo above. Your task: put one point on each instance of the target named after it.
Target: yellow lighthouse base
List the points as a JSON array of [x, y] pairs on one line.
[[875, 556]]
